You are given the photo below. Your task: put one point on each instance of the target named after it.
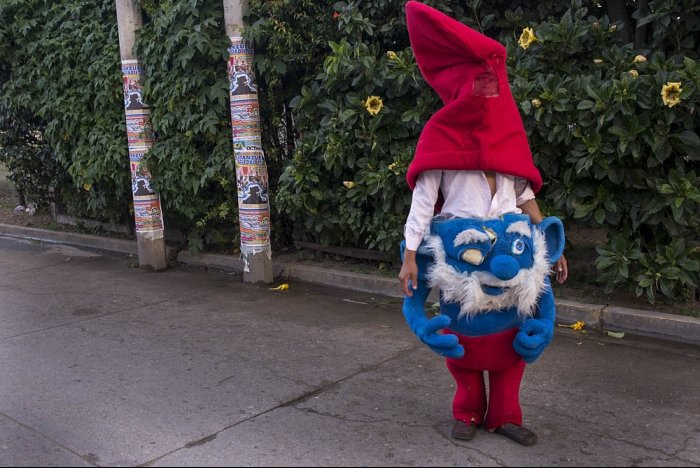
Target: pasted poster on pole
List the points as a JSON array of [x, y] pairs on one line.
[[251, 169], [148, 216]]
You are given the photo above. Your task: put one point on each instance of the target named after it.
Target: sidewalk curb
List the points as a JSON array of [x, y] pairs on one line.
[[634, 321], [599, 316], [70, 238]]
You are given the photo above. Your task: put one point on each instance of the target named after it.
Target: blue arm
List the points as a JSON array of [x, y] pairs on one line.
[[536, 333], [427, 329]]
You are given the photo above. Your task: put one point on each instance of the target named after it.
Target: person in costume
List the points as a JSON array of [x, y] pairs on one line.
[[473, 165], [471, 186]]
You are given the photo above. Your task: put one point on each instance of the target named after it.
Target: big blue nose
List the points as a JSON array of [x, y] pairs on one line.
[[504, 267]]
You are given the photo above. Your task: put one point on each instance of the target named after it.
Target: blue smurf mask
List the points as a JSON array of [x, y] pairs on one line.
[[493, 264]]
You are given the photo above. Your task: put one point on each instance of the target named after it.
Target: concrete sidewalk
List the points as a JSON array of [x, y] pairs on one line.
[[596, 316], [102, 364]]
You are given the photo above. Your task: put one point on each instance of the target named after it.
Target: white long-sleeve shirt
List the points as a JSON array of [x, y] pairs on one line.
[[467, 194]]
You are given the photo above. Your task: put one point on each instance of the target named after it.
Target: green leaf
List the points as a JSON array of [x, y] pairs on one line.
[[689, 138], [689, 264], [618, 335], [599, 216]]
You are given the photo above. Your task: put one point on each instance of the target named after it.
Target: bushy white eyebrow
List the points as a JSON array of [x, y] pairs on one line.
[[519, 227], [470, 236]]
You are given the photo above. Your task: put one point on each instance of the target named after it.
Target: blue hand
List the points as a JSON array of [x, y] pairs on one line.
[[426, 330], [444, 345], [536, 333], [532, 338]]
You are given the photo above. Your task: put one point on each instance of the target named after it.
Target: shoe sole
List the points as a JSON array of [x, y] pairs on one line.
[[518, 434], [463, 431]]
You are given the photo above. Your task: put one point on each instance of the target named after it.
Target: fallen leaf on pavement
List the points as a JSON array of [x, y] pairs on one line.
[[615, 334], [354, 302]]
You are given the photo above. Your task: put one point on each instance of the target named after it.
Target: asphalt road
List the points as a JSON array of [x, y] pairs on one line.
[[103, 364]]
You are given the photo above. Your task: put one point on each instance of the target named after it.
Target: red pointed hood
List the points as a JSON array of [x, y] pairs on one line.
[[479, 127]]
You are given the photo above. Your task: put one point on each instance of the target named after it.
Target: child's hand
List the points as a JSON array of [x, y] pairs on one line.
[[409, 273], [561, 269]]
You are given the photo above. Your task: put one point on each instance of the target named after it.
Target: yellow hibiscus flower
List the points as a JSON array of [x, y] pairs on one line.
[[527, 38], [374, 104], [671, 93]]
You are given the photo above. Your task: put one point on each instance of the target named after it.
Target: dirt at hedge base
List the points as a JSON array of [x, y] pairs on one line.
[[41, 219]]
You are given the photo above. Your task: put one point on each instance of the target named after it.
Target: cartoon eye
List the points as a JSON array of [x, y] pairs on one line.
[[492, 236], [473, 256], [518, 247]]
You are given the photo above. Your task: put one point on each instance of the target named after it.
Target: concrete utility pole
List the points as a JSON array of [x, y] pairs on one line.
[[251, 169], [148, 215]]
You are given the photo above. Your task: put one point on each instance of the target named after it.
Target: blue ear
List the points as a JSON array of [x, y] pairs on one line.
[[553, 230]]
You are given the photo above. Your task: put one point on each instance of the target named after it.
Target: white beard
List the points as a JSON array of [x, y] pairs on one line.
[[521, 292]]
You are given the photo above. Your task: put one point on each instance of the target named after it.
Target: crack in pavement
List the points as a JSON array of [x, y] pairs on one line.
[[290, 403]]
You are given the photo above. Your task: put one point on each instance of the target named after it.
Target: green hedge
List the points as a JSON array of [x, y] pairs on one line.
[[184, 49], [60, 61], [611, 152], [342, 105]]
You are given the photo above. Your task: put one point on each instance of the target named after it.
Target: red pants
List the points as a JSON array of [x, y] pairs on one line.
[[495, 354]]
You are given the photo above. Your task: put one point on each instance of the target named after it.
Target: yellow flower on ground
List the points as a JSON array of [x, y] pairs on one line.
[[349, 184], [374, 104], [633, 73], [527, 38], [578, 326], [392, 55], [639, 58], [671, 93], [87, 187], [536, 103]]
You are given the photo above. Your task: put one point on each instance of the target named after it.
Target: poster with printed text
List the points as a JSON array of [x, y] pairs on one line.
[[251, 170], [148, 216]]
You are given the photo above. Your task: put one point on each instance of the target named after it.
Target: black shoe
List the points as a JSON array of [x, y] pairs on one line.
[[463, 431], [517, 433]]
